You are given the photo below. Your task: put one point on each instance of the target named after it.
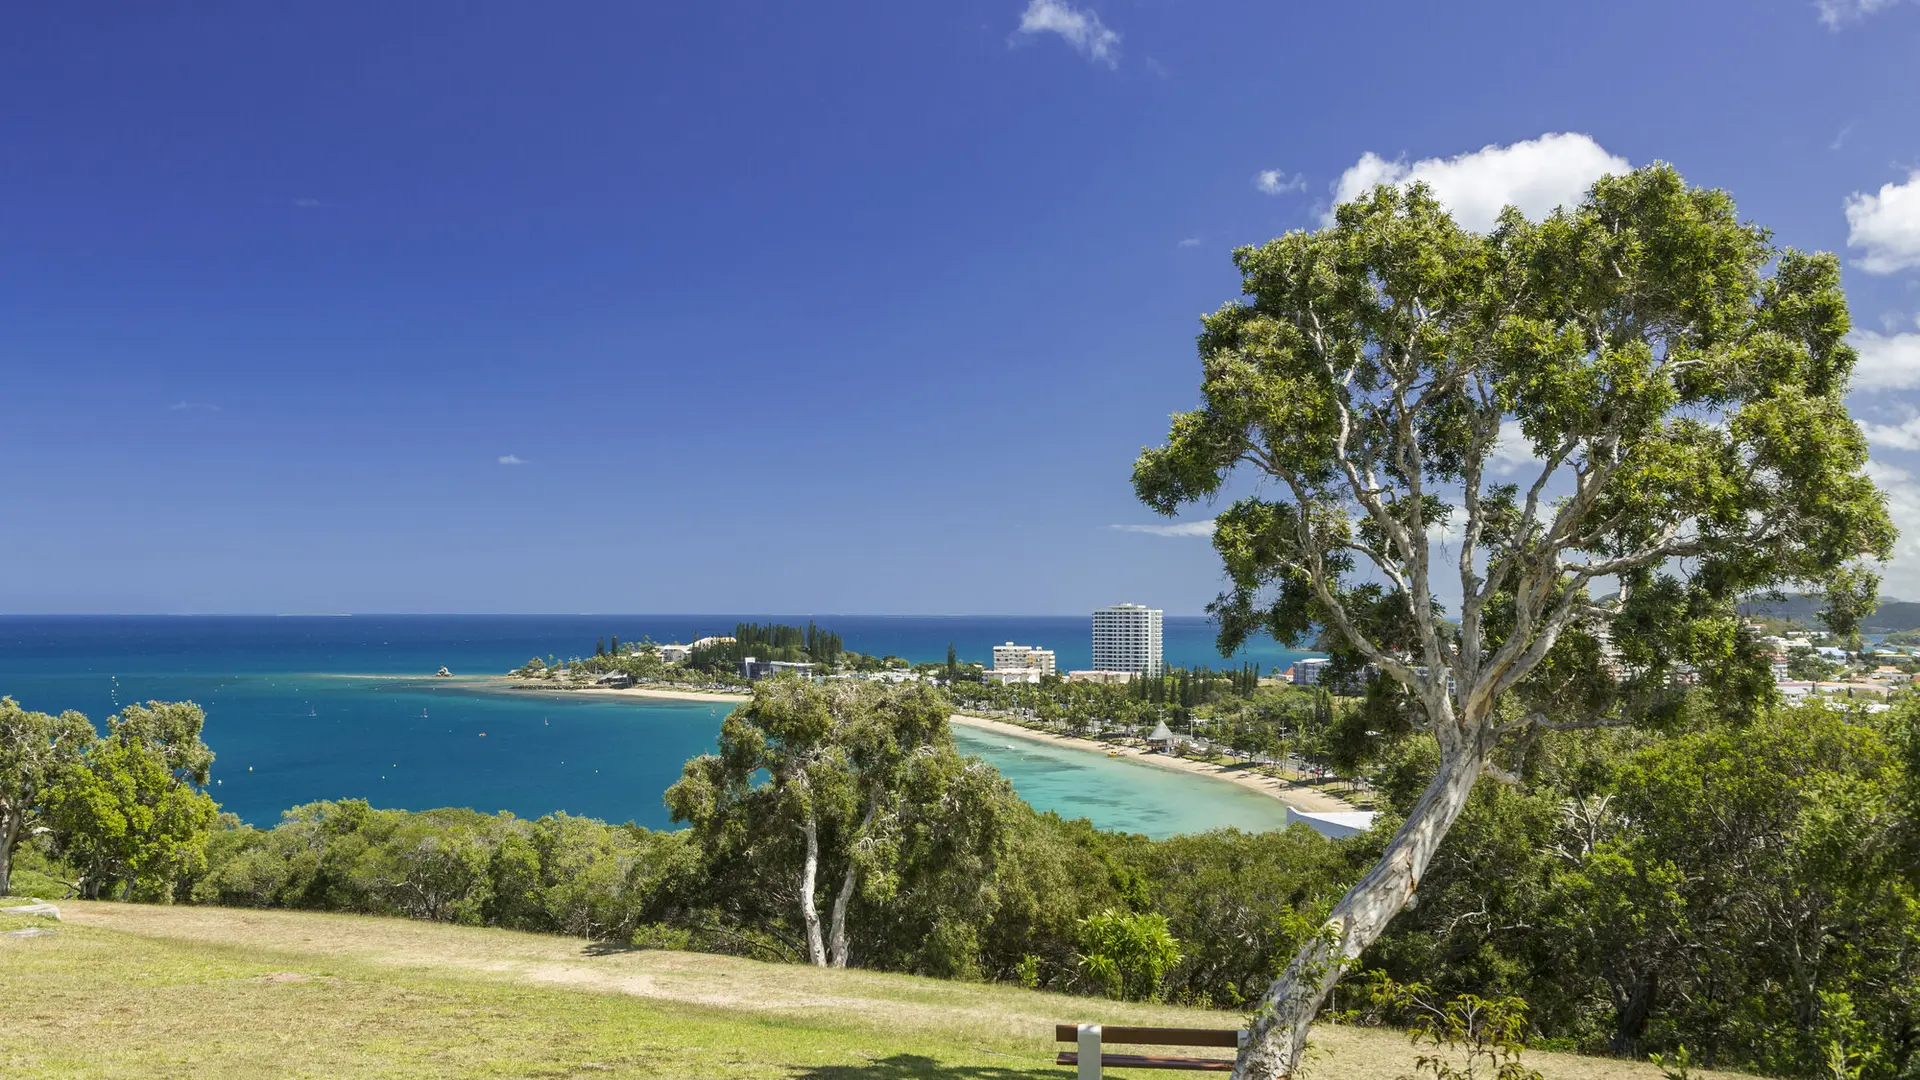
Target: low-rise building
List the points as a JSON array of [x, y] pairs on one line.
[[675, 654], [709, 642], [754, 670], [1023, 656], [1104, 677], [1009, 675]]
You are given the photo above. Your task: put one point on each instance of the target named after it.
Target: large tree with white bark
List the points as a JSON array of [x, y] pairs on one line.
[[1602, 430]]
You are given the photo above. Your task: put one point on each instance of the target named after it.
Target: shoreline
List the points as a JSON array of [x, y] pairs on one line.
[[1297, 796], [497, 684], [1292, 793]]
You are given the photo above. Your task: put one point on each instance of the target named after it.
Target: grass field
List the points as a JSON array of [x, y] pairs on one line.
[[123, 990]]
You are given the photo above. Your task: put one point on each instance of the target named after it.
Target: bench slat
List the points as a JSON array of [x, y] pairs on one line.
[[1141, 1061], [1153, 1036]]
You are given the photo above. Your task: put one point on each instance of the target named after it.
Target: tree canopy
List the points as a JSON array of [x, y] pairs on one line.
[[36, 751], [1605, 429]]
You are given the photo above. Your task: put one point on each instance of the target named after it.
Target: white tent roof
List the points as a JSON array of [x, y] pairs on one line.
[[1160, 733]]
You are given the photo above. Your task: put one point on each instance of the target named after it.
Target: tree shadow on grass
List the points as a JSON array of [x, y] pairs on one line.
[[921, 1067], [607, 948]]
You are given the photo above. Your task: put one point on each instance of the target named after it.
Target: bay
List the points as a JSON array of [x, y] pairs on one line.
[[294, 717]]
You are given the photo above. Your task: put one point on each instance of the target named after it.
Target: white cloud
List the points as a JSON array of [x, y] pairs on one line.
[[1901, 575], [1838, 13], [511, 459], [1178, 528], [1078, 27], [1840, 140], [192, 406], [1511, 451], [1901, 436], [1887, 361], [1191, 241], [1275, 182], [1887, 224], [1536, 175], [307, 204]]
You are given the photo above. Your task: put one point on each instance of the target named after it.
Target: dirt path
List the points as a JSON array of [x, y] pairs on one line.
[[693, 978], [322, 944]]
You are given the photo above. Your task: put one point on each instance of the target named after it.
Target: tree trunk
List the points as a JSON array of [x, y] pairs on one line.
[[9, 833], [809, 914], [1632, 1008], [837, 928], [1278, 1034]]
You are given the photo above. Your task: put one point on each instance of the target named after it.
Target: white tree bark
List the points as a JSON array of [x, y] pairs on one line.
[[837, 944], [809, 874], [837, 928], [1278, 1032], [9, 833]]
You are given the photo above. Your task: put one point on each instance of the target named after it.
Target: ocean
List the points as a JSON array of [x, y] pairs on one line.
[[301, 708]]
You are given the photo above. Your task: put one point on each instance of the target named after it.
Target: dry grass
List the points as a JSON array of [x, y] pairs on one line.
[[131, 990]]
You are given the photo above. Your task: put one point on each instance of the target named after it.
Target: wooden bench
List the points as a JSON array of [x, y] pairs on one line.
[[1091, 1038]]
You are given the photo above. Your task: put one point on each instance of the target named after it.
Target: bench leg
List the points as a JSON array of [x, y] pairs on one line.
[[1089, 1052]]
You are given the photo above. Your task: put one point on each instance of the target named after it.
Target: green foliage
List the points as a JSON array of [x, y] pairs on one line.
[[1128, 954], [129, 813], [1677, 1066], [1465, 1037], [36, 752], [864, 799]]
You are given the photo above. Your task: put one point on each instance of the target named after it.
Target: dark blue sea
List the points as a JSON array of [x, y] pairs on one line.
[[301, 708]]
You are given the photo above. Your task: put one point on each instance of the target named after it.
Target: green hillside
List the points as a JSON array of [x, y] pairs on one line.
[[1890, 616], [121, 990]]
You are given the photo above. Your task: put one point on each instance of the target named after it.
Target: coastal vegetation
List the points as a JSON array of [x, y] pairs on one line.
[[1674, 386], [1740, 888]]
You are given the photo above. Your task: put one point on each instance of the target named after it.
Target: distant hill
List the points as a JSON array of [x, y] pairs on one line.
[[1890, 616]]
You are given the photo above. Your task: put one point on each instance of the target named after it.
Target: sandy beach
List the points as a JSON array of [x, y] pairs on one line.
[[1298, 796], [505, 682]]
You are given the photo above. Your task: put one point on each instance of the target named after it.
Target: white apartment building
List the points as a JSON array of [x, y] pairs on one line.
[[1008, 676], [1010, 656], [1126, 637], [1308, 672]]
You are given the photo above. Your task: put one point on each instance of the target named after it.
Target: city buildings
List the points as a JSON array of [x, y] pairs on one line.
[[1013, 657], [1126, 637], [1012, 676]]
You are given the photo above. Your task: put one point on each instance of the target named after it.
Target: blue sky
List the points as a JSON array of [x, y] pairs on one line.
[[844, 307]]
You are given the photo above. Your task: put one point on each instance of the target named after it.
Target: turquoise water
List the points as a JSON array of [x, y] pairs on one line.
[[1120, 793], [287, 732]]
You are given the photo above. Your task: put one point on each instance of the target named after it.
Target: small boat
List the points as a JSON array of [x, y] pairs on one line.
[[423, 714], [312, 711]]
